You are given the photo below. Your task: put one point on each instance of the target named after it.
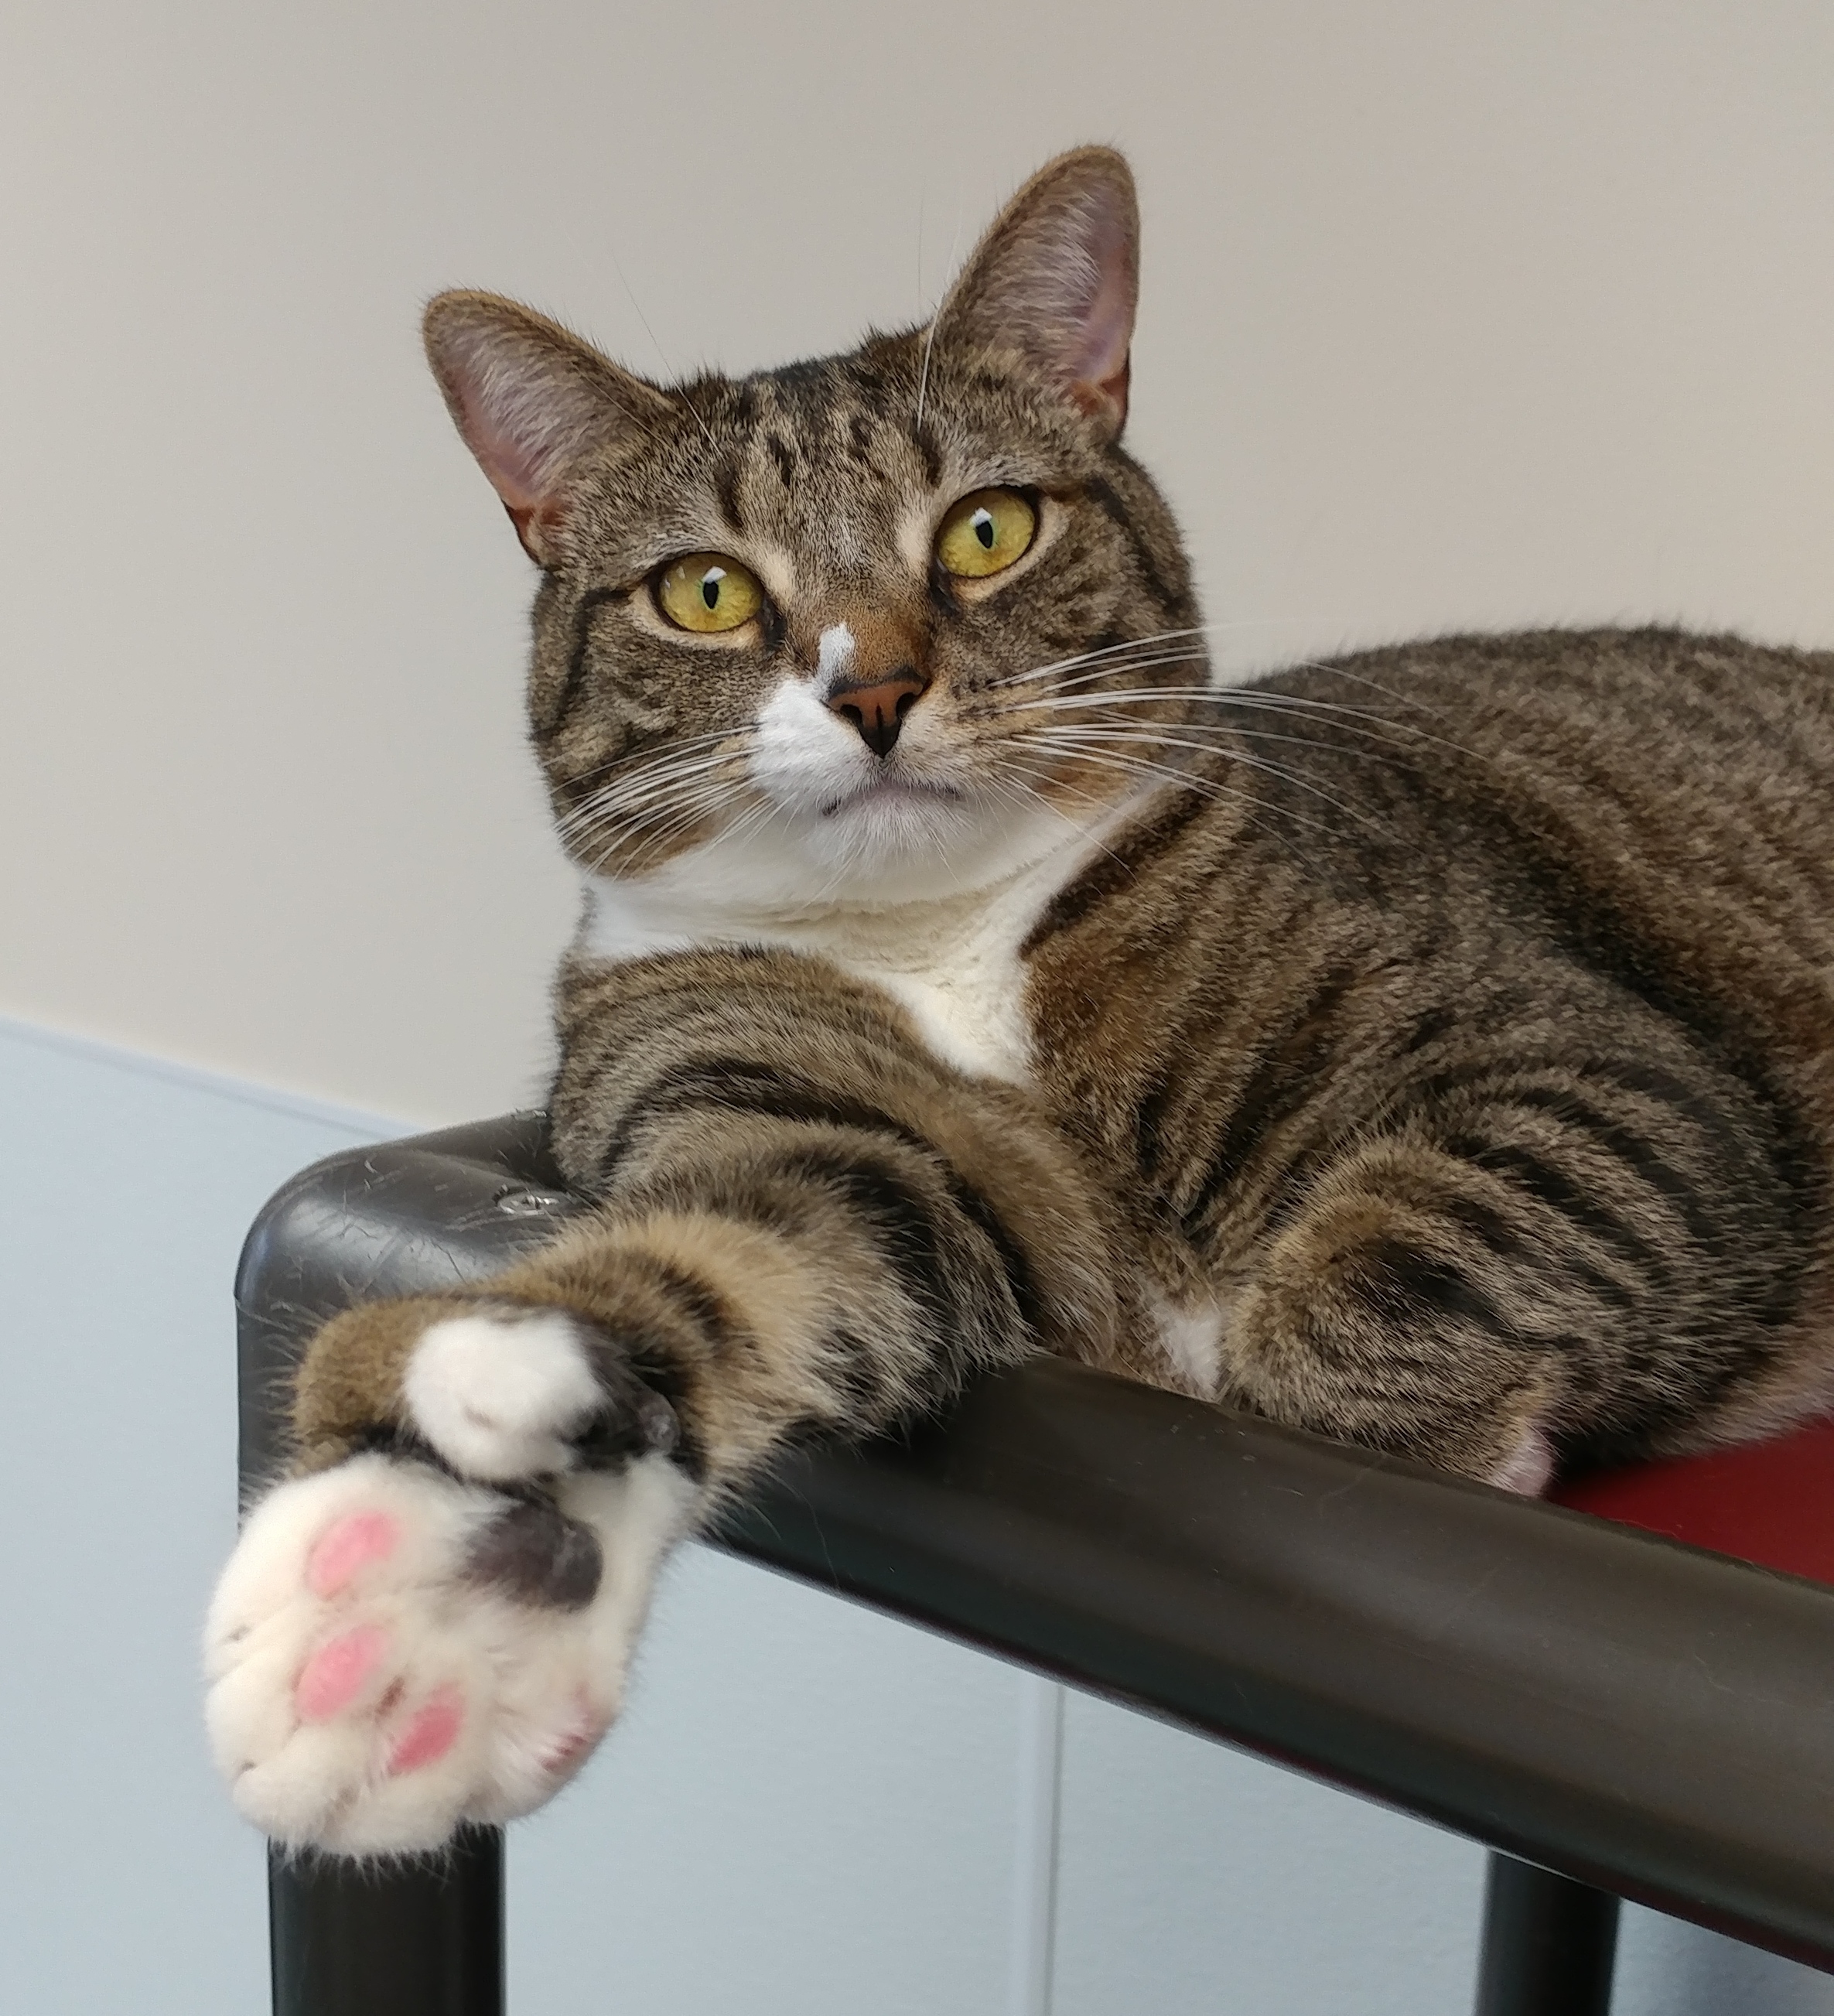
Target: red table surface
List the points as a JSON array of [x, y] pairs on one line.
[[1771, 1503]]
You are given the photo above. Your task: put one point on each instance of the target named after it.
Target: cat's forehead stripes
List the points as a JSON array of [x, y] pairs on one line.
[[811, 462]]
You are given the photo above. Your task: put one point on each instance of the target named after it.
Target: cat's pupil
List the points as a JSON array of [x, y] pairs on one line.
[[982, 522], [709, 586]]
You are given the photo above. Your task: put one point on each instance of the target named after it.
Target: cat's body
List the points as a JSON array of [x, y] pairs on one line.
[[1432, 1050]]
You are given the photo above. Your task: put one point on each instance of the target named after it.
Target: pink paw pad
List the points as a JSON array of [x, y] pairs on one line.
[[431, 1732], [342, 1548], [333, 1677]]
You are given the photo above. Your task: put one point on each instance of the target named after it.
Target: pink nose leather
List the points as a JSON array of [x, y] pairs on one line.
[[878, 711]]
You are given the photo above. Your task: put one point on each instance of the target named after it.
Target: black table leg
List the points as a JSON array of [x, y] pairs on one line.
[[412, 1937], [1549, 1944], [397, 1939]]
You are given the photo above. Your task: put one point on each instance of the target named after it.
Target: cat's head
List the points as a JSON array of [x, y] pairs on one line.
[[859, 626]]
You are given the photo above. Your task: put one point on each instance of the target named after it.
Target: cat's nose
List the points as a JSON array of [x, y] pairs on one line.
[[878, 711]]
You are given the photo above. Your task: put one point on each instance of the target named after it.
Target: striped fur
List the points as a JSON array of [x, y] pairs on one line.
[[1429, 1050], [1433, 1049]]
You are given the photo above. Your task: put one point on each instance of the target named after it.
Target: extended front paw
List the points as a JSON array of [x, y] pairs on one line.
[[392, 1651]]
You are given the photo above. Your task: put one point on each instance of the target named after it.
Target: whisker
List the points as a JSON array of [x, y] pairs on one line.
[[1329, 666], [1243, 698], [1078, 705], [1248, 698], [1363, 679], [625, 804], [1154, 638], [1209, 787], [630, 295], [612, 829], [657, 795], [1228, 730], [1072, 738], [660, 773], [633, 790], [1090, 657], [1115, 668], [680, 746], [667, 822], [1096, 805]]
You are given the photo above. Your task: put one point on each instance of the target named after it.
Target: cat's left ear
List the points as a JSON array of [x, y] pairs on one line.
[[1056, 277]]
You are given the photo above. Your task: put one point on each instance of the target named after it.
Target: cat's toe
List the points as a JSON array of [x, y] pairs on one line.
[[378, 1762], [335, 1677], [392, 1651]]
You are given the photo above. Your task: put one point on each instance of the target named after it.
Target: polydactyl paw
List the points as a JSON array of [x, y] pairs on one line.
[[393, 1648]]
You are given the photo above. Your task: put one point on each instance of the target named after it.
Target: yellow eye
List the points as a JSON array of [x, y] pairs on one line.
[[986, 532], [708, 591]]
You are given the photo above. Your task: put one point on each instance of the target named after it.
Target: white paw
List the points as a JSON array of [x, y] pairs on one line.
[[501, 1394], [365, 1697]]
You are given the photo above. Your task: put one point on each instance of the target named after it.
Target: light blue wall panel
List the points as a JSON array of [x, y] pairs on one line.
[[1665, 1968], [129, 1884], [808, 1810], [1194, 1880]]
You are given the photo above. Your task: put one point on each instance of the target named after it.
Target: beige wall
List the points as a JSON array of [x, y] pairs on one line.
[[1454, 314]]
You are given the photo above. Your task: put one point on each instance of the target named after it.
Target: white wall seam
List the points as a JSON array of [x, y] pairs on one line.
[[198, 1078]]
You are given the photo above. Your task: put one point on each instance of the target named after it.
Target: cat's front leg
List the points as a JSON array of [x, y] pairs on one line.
[[433, 1624], [808, 1226]]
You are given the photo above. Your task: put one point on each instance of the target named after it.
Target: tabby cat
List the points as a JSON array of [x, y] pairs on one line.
[[1431, 1050]]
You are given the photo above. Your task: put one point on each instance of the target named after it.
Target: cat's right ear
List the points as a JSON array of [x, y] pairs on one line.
[[531, 399]]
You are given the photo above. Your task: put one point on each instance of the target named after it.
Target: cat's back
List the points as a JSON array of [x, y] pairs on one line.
[[1560, 841], [1651, 725], [1671, 792]]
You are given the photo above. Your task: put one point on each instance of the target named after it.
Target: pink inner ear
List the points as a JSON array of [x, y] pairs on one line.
[[1056, 279], [1107, 330], [1096, 355], [517, 446]]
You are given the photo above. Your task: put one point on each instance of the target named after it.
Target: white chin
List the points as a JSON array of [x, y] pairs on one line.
[[888, 824]]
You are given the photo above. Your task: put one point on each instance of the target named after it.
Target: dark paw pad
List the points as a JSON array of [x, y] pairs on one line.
[[535, 1554]]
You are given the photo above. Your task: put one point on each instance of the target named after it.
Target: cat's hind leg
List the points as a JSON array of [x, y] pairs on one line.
[[439, 1631], [1415, 1303]]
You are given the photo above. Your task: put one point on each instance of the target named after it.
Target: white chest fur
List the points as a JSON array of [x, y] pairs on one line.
[[956, 971], [951, 961]]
